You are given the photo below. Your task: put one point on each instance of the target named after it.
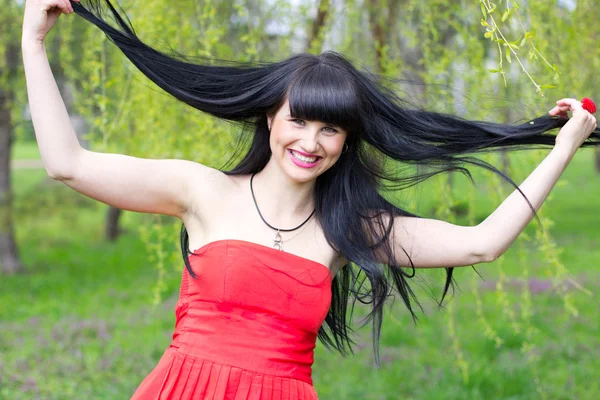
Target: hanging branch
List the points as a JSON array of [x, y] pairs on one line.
[[495, 34]]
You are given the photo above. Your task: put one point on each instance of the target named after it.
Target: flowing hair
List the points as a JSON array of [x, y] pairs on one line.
[[356, 219]]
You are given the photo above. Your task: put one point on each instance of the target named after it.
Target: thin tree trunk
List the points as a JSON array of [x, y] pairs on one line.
[[112, 229], [112, 224], [317, 27], [378, 31], [9, 255]]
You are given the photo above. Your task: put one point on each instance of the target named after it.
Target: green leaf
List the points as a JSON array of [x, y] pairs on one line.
[[494, 71], [508, 58], [484, 22], [505, 15], [523, 41], [548, 86]]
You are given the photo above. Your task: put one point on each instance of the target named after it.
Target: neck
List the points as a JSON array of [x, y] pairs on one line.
[[284, 203]]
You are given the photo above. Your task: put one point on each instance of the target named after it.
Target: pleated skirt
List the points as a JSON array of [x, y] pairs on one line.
[[182, 377]]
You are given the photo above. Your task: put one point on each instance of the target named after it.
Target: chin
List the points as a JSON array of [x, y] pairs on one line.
[[299, 175]]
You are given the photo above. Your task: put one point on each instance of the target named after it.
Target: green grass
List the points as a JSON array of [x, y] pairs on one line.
[[25, 151], [80, 323]]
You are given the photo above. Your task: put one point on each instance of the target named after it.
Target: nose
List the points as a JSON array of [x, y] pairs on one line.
[[310, 142]]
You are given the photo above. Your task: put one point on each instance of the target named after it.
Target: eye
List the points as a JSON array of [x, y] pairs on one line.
[[330, 130], [298, 121]]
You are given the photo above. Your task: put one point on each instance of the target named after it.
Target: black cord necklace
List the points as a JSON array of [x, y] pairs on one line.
[[277, 241]]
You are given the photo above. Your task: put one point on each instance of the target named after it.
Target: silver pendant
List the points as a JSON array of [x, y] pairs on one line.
[[278, 242]]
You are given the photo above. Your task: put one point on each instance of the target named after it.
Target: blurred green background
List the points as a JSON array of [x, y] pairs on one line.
[[88, 317]]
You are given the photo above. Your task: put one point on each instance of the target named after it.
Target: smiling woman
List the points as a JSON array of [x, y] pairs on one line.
[[249, 314], [313, 146]]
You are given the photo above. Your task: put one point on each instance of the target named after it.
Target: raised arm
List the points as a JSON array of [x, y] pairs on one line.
[[130, 183], [433, 243], [54, 133]]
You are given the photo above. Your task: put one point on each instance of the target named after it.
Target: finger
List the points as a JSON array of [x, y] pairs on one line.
[[63, 5], [555, 111], [561, 108], [48, 6], [560, 111], [568, 102], [67, 7]]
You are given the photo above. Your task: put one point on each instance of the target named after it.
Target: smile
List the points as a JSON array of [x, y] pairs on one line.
[[303, 161]]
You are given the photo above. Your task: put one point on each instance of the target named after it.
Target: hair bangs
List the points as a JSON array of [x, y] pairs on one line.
[[323, 93]]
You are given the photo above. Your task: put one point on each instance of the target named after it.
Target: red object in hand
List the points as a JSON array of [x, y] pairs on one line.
[[588, 105]]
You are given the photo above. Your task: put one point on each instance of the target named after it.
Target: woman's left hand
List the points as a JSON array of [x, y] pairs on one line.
[[577, 129]]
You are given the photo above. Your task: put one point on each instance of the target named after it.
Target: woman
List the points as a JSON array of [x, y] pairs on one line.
[[267, 245]]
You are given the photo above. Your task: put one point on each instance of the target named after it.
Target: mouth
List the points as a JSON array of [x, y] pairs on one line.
[[302, 160]]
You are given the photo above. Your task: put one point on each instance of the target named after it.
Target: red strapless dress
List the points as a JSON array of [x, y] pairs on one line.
[[246, 328]]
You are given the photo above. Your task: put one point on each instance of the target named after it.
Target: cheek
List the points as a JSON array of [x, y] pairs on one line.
[[335, 146], [281, 140]]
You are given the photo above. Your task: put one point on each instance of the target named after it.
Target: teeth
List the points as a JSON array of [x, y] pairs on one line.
[[304, 159]]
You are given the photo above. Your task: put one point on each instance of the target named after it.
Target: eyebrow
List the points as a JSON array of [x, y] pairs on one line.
[[326, 123]]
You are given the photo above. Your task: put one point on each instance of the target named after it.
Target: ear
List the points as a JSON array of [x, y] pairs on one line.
[[269, 121]]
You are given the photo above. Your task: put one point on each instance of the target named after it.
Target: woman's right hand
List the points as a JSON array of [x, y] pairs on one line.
[[579, 127], [40, 16]]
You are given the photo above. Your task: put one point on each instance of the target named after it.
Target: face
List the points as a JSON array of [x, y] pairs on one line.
[[304, 149]]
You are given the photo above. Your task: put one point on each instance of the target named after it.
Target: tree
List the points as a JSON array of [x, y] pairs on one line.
[[9, 83], [314, 41]]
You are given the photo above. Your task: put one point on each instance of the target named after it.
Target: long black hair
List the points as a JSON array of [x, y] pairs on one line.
[[356, 219]]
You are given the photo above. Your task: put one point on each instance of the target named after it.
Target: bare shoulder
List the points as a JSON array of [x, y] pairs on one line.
[[208, 187]]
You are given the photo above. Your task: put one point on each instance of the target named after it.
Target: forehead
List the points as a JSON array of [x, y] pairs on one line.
[[285, 108], [284, 112]]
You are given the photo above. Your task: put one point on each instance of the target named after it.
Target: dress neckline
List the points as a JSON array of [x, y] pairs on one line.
[[261, 246]]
